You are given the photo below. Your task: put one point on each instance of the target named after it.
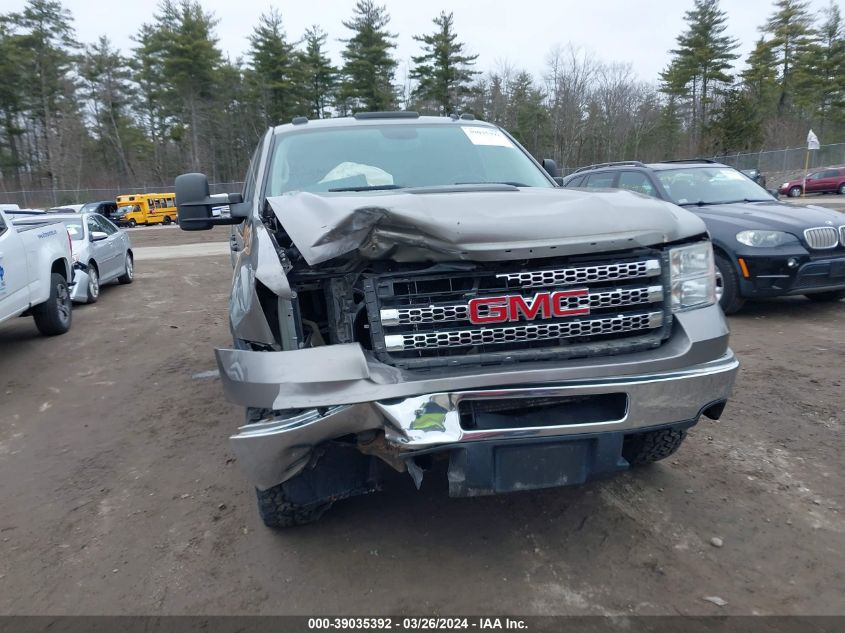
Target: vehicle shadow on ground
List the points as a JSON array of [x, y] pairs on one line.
[[787, 307]]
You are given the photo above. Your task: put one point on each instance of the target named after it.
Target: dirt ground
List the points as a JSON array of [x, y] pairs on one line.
[[119, 493]]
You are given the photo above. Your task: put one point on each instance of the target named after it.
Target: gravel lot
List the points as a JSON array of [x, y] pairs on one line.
[[119, 493]]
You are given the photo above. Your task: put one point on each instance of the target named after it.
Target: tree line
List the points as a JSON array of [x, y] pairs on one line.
[[84, 116]]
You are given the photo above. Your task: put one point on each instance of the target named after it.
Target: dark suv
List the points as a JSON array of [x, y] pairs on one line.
[[764, 248]]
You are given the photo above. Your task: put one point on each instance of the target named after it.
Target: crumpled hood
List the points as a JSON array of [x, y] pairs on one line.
[[477, 225]]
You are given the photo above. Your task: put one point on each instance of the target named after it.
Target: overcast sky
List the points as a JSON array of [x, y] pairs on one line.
[[519, 32]]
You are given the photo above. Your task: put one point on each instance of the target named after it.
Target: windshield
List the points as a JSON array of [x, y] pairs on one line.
[[89, 207], [131, 208], [75, 230], [710, 185], [395, 156]]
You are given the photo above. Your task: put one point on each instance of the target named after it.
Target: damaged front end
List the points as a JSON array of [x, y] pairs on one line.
[[356, 332]]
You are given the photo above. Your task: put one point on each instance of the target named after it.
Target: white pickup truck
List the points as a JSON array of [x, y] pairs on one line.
[[35, 273]]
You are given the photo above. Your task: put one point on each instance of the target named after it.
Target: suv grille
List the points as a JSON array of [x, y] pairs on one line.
[[423, 319], [822, 237]]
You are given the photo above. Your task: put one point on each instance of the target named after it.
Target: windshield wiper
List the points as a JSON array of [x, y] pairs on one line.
[[368, 188], [702, 203], [512, 183]]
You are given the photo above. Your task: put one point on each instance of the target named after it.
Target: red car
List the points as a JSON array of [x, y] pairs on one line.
[[831, 180]]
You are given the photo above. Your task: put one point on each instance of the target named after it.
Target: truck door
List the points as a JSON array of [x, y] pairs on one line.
[[14, 293]]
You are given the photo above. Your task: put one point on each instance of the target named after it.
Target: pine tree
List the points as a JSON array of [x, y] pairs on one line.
[[318, 76], [107, 89], [12, 98], [789, 27], [369, 66], [272, 76], [190, 60], [443, 69], [737, 124], [47, 46], [701, 62], [820, 72]]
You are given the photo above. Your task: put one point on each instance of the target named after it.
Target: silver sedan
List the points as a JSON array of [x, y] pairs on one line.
[[101, 253]]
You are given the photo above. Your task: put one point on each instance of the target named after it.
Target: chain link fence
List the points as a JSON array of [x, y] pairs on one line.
[[787, 163], [776, 165], [46, 198]]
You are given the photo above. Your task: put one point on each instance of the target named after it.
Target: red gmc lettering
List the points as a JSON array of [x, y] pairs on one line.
[[544, 305], [497, 310]]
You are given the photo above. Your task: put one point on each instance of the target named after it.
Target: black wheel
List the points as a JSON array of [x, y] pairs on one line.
[[795, 192], [167, 219], [727, 286], [93, 283], [128, 275], [833, 295], [652, 446], [277, 510], [132, 224], [54, 316], [842, 189]]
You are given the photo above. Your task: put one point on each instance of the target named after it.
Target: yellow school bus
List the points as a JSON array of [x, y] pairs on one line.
[[145, 208]]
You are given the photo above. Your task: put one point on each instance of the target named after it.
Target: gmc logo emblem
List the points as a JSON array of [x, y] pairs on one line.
[[544, 305]]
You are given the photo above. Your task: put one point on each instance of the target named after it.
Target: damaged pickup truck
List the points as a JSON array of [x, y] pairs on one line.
[[409, 289]]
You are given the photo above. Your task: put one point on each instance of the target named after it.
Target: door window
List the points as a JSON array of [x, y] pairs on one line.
[[105, 226], [92, 225], [636, 181], [601, 181], [2, 225]]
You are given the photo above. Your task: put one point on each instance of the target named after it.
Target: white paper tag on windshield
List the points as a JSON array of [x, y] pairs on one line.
[[486, 136]]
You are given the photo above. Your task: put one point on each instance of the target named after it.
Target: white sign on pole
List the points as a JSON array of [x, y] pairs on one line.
[[812, 141]]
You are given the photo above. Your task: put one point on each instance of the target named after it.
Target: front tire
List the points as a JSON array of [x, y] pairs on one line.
[[128, 275], [132, 224], [727, 286], [842, 189], [278, 511], [795, 192], [54, 316], [652, 446], [93, 292], [823, 297]]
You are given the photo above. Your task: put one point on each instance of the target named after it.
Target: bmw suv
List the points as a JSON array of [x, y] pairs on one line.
[[763, 248]]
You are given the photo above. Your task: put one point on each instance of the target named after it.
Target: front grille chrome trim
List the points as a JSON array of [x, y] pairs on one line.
[[618, 324], [822, 237], [445, 313], [583, 275]]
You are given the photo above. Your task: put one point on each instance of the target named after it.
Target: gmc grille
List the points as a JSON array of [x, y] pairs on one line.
[[422, 319]]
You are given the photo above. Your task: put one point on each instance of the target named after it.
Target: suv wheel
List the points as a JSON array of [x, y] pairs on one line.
[[727, 286], [795, 192], [842, 189]]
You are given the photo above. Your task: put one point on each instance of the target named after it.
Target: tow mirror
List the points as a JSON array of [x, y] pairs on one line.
[[98, 236], [551, 168], [194, 204]]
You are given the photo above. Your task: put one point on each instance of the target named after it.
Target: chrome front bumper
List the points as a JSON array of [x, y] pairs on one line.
[[274, 450]]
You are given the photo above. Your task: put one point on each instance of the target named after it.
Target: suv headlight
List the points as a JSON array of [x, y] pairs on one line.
[[692, 276], [765, 238]]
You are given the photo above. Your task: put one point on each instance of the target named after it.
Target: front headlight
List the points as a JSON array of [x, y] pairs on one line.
[[784, 185], [692, 276], [75, 258], [765, 238]]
